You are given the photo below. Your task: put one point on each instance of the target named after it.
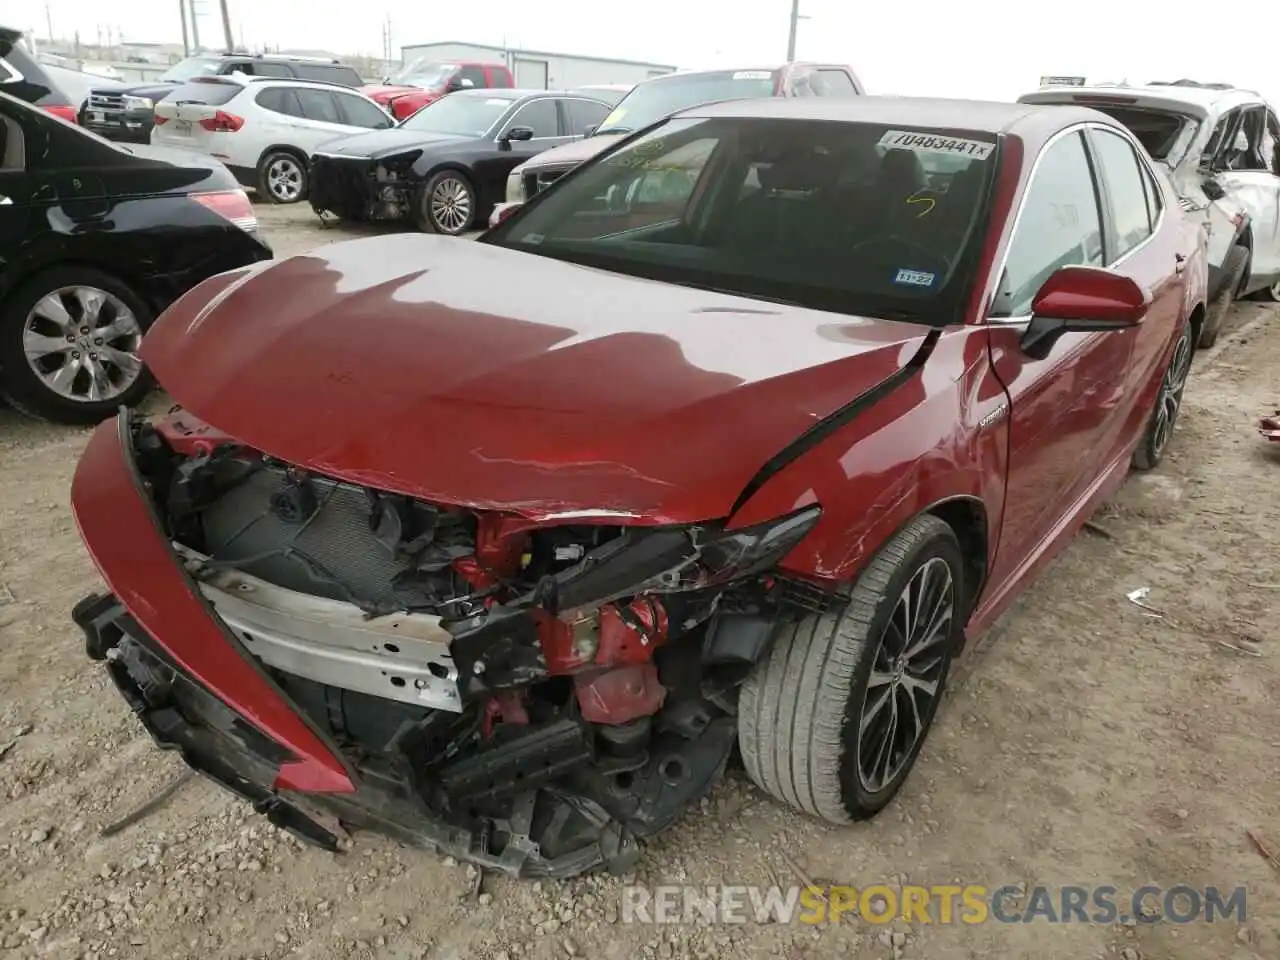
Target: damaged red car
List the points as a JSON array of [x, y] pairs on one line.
[[728, 440]]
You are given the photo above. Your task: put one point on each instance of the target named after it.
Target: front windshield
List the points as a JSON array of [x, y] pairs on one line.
[[855, 217], [650, 102], [459, 114], [424, 73], [191, 67]]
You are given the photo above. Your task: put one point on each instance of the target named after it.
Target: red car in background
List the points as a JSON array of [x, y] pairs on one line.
[[770, 408], [23, 78], [426, 81]]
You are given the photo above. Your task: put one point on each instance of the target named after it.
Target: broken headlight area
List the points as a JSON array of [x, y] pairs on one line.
[[578, 679]]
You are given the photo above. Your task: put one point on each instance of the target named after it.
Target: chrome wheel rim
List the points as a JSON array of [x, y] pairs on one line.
[[905, 675], [1275, 290], [284, 179], [82, 342], [1170, 402], [450, 205]]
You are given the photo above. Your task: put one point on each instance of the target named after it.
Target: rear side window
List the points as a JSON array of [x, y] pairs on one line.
[[328, 72], [833, 83], [213, 92], [1130, 215], [319, 105], [268, 70], [280, 100]]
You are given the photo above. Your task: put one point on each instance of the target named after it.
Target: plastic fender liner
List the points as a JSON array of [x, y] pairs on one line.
[[124, 537]]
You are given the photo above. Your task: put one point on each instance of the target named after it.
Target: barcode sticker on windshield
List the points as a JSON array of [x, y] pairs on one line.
[[931, 143], [915, 278], [752, 75]]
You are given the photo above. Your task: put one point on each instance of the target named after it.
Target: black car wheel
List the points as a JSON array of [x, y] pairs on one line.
[[282, 177], [69, 341], [833, 720], [446, 204], [1164, 416]]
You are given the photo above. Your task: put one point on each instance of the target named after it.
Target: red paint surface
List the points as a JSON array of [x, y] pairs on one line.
[[621, 695], [397, 363], [141, 570]]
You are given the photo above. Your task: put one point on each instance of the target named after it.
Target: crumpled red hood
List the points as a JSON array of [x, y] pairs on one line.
[[464, 373]]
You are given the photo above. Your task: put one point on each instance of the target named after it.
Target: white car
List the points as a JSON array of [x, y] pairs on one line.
[[263, 128], [1221, 147]]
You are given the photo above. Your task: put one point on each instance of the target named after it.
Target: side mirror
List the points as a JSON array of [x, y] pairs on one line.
[[591, 129], [1079, 299], [459, 83], [518, 134], [1213, 189], [502, 211]]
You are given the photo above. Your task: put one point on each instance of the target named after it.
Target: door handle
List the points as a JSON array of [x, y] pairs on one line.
[[1180, 262]]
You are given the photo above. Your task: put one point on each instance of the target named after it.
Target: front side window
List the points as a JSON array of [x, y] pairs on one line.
[[854, 217], [329, 73], [264, 69], [460, 114], [835, 83], [1127, 191], [1059, 225], [584, 115], [475, 74], [652, 100], [539, 116], [363, 113]]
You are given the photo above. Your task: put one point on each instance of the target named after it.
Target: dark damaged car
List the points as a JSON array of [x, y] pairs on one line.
[[731, 438], [446, 166]]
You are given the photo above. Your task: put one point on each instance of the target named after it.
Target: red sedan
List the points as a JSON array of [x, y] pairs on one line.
[[734, 436]]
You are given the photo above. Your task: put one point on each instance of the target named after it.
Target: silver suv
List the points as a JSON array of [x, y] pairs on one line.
[[1221, 147]]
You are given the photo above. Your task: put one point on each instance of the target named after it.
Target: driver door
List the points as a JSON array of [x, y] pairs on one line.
[[1063, 409]]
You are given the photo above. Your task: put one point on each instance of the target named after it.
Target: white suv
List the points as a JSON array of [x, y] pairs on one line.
[[1221, 146], [264, 128]]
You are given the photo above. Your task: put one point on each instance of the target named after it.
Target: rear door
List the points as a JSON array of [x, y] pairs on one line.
[[1249, 172]]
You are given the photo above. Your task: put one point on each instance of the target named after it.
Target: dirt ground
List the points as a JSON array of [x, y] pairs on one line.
[[1083, 741]]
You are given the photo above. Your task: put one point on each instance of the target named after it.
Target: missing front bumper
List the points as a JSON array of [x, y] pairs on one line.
[[180, 714]]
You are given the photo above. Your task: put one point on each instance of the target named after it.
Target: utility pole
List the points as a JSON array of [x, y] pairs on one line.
[[795, 22], [48, 20], [227, 36], [186, 38], [195, 27]]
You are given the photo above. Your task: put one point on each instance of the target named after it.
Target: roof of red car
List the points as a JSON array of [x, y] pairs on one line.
[[1029, 121]]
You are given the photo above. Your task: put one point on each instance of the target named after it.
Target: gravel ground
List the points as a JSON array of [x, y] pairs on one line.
[[1082, 741]]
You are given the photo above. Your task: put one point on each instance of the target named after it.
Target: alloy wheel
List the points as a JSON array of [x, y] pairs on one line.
[[1170, 401], [284, 179], [450, 205], [82, 342], [905, 675]]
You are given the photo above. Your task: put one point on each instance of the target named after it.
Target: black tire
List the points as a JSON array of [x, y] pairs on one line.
[[434, 217], [1164, 415], [283, 177], [1234, 269], [800, 711], [22, 388]]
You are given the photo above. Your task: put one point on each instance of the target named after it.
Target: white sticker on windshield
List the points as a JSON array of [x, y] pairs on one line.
[[931, 143], [915, 278], [752, 75], [533, 239]]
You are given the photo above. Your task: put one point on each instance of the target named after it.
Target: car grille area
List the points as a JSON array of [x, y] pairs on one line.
[[538, 180]]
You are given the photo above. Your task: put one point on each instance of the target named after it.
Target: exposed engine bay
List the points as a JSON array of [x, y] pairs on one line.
[[553, 689]]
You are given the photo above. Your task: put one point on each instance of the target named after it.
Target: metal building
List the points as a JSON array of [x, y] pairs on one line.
[[539, 69]]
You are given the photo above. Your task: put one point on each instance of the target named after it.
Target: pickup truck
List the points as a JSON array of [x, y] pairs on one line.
[[425, 81]]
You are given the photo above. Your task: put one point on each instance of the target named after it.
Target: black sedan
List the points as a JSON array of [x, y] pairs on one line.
[[446, 166], [95, 240]]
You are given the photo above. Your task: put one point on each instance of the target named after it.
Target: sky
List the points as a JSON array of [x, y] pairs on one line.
[[986, 49]]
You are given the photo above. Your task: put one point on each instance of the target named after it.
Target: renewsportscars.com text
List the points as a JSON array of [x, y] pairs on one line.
[[941, 904]]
